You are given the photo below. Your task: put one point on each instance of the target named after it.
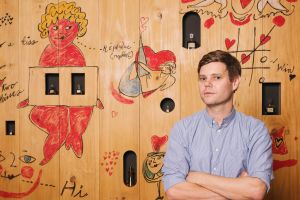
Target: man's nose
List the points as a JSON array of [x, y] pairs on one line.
[[208, 83]]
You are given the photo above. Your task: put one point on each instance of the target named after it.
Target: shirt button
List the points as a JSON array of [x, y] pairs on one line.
[[217, 149], [219, 130], [215, 169]]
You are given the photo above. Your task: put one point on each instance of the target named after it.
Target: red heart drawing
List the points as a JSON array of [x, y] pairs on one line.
[[106, 169], [209, 22], [157, 142], [245, 3], [229, 43], [279, 21], [110, 173], [264, 39], [155, 60], [245, 58]]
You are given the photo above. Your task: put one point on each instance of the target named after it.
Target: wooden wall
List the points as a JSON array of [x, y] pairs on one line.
[[75, 148]]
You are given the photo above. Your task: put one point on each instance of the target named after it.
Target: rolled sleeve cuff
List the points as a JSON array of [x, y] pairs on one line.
[[265, 177], [170, 181]]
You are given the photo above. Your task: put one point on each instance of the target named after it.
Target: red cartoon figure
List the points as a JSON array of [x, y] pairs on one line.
[[62, 23]]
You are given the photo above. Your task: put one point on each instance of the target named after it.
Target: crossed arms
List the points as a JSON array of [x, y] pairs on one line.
[[200, 185]]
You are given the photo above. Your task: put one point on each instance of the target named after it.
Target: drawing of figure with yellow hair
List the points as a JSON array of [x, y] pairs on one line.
[[62, 23], [65, 125]]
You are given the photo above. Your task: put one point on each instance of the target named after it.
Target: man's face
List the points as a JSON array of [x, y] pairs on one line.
[[62, 33], [214, 84]]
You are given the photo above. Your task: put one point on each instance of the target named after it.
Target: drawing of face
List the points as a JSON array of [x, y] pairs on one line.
[[155, 162], [16, 169], [62, 33], [214, 84]]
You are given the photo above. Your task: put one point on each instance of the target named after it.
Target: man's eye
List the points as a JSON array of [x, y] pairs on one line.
[[27, 159], [55, 28], [217, 77], [202, 78], [68, 27]]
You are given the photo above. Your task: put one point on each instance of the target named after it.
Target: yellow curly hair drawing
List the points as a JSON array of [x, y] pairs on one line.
[[63, 10]]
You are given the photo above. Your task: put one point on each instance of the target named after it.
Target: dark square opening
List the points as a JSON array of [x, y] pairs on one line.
[[10, 128], [52, 84], [78, 84], [271, 99]]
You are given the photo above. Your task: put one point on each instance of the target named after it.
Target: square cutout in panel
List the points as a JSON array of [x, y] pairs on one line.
[[78, 83], [271, 99], [52, 84], [10, 127]]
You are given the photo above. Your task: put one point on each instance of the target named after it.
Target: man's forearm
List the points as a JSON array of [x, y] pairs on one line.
[[232, 188], [186, 190]]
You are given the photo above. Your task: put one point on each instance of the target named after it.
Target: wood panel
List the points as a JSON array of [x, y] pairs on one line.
[[32, 137], [9, 88], [79, 165], [284, 51], [162, 34], [119, 124]]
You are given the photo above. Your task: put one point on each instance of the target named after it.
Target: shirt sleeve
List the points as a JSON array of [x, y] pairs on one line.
[[176, 160], [260, 158]]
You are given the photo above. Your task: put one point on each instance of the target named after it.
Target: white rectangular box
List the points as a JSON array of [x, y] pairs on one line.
[[37, 86]]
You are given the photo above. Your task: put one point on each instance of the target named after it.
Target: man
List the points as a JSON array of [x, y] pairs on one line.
[[218, 153]]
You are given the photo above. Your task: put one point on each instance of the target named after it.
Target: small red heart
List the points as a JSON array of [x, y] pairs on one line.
[[104, 157], [245, 58], [110, 173], [209, 22], [229, 43], [245, 3], [264, 39], [279, 21], [157, 141], [110, 162], [106, 169]]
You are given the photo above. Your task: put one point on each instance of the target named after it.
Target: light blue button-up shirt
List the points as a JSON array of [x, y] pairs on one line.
[[198, 143]]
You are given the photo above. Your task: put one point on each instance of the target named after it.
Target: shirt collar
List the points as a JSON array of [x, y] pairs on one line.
[[226, 120]]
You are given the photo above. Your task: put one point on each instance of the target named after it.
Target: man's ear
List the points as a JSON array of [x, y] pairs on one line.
[[236, 83]]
